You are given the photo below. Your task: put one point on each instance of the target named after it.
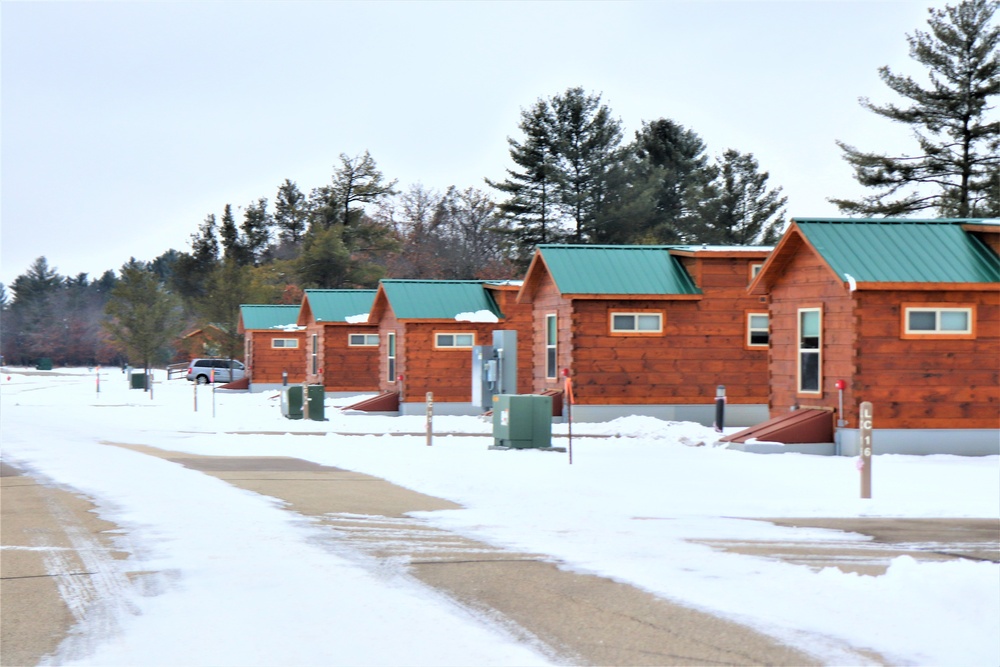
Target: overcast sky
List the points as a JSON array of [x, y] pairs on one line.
[[124, 124]]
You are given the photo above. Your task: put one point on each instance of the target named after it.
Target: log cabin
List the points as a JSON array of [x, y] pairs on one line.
[[341, 347], [650, 330], [427, 329], [201, 342], [904, 314], [273, 345]]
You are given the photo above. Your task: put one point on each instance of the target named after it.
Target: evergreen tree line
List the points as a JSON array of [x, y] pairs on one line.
[[573, 178]]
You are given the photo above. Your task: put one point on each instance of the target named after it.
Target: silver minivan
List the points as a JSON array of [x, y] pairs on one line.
[[200, 370]]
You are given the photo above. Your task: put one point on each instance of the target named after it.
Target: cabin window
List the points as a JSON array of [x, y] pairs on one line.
[[758, 334], [284, 342], [636, 323], [362, 340], [453, 340], [933, 321], [315, 354], [755, 268], [391, 356], [810, 348], [551, 339]]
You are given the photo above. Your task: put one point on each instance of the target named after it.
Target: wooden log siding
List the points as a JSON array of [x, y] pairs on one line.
[[927, 383], [923, 383], [448, 372], [813, 286], [387, 325], [547, 301], [345, 368], [701, 348], [702, 344], [269, 362]]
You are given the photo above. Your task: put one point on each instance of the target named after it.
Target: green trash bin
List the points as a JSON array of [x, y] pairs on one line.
[[522, 421], [291, 402], [315, 395], [137, 381], [44, 364]]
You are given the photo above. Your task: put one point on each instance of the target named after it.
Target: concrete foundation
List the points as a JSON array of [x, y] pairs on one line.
[[957, 441], [448, 409], [735, 415]]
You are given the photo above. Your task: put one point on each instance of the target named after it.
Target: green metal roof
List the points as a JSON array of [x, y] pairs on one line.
[[438, 299], [903, 251], [596, 269], [337, 305], [268, 317]]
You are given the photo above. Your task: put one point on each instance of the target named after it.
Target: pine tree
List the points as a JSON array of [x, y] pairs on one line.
[[587, 145], [290, 213], [229, 235], [358, 181], [144, 317], [670, 167], [325, 260], [956, 171], [256, 231], [531, 187], [191, 271], [736, 207]]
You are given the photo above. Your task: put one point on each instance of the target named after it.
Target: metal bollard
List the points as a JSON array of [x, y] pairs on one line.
[[720, 408]]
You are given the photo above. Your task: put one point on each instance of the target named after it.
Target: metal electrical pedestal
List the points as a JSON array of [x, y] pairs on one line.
[[522, 421]]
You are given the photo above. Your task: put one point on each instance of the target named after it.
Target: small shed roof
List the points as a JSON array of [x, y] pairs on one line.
[[254, 316], [615, 270], [338, 305], [437, 299]]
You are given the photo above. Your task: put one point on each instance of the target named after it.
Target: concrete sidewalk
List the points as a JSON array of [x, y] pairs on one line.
[[577, 618]]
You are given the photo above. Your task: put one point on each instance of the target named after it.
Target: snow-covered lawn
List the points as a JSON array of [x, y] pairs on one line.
[[629, 507]]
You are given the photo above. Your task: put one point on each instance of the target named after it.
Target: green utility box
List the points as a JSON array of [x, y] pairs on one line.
[[315, 395], [291, 402], [137, 381], [44, 364], [522, 421]]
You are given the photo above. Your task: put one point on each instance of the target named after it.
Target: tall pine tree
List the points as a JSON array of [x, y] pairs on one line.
[[531, 187], [956, 170], [588, 143], [737, 207]]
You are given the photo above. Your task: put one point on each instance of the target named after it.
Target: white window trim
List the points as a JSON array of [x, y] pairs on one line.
[[315, 354], [552, 373], [818, 352], [286, 343], [636, 315], [454, 345], [370, 340], [938, 332], [751, 330], [390, 356]]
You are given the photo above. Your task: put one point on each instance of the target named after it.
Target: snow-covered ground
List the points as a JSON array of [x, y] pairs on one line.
[[244, 582]]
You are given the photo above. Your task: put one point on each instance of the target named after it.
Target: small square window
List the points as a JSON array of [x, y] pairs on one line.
[[454, 340], [642, 323], [938, 321], [758, 330], [362, 340]]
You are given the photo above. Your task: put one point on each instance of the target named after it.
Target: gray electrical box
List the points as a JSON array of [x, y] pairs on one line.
[[494, 369]]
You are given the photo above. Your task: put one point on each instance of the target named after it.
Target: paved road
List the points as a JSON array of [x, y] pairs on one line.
[[581, 619]]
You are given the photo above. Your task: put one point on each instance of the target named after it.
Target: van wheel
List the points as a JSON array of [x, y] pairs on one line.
[[202, 379]]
